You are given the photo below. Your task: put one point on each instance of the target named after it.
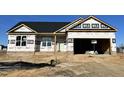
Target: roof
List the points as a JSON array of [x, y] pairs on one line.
[[42, 26], [50, 27]]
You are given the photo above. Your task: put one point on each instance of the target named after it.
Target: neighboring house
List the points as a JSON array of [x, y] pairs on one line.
[[2, 47], [76, 37], [120, 49]]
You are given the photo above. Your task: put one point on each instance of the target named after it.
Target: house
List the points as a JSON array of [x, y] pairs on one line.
[[78, 37], [3, 48]]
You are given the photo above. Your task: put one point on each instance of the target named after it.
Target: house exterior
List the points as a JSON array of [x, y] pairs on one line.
[[1, 47], [78, 37]]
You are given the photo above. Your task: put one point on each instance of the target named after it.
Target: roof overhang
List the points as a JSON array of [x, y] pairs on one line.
[[36, 33], [80, 20], [12, 30]]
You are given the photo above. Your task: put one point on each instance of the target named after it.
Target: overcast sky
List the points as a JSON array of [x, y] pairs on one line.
[[7, 21]]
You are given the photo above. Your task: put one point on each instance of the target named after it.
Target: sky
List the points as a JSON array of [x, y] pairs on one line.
[[8, 21]]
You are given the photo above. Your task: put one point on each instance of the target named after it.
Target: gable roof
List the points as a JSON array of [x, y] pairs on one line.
[[93, 17], [50, 27], [40, 27], [71, 23]]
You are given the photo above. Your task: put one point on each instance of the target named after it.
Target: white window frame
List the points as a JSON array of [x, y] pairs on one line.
[[95, 26], [86, 26], [47, 40], [103, 26]]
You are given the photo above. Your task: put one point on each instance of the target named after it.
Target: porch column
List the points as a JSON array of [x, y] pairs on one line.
[[110, 47], [55, 46]]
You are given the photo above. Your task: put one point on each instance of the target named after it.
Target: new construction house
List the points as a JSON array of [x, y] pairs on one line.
[[78, 37]]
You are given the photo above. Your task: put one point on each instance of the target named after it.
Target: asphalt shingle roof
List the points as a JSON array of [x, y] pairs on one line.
[[43, 26]]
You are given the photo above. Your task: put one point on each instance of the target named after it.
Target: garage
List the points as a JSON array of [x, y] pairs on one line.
[[83, 46]]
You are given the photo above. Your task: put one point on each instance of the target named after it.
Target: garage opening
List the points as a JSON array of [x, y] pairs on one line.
[[83, 46]]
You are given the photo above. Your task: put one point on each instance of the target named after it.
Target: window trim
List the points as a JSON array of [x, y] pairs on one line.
[[103, 26], [78, 27], [23, 40], [46, 40], [86, 25], [20, 41], [95, 25], [113, 40]]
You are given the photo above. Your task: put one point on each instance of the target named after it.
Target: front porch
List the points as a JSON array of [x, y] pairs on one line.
[[47, 43]]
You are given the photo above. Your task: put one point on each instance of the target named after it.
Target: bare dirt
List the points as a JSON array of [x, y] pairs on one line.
[[70, 65]]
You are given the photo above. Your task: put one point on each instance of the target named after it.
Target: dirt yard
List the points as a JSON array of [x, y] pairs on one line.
[[37, 65]]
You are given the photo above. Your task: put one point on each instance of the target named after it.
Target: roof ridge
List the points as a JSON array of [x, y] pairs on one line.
[[42, 22]]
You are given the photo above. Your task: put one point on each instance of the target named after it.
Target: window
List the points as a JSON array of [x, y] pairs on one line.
[[46, 41], [86, 25], [103, 26], [113, 40], [95, 25], [18, 40], [21, 41], [77, 27], [49, 43]]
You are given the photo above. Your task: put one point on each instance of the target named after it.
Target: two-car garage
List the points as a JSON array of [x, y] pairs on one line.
[[83, 46]]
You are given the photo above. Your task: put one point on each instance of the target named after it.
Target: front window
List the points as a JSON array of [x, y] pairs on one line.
[[46, 41], [49, 43], [18, 40], [21, 41]]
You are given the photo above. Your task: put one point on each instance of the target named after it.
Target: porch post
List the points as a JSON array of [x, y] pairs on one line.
[[55, 46], [110, 50]]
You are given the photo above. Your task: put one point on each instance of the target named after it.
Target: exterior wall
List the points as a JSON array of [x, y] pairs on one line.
[[39, 46], [0, 47], [61, 45], [61, 42], [28, 47], [91, 35], [113, 46]]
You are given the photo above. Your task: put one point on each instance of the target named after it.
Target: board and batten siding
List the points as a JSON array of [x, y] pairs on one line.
[[28, 47]]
